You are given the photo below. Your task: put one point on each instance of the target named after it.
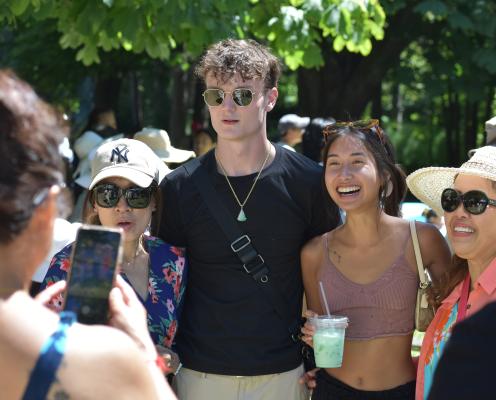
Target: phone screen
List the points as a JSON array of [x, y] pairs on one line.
[[95, 256]]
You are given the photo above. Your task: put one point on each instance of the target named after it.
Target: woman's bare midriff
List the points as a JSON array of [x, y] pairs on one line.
[[376, 364]]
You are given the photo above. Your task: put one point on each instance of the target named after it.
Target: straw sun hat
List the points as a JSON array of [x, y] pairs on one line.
[[158, 140], [427, 184]]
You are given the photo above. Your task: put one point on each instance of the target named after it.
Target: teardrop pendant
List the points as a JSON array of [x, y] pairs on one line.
[[241, 216]]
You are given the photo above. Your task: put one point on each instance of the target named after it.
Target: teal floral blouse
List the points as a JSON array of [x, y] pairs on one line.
[[166, 283]]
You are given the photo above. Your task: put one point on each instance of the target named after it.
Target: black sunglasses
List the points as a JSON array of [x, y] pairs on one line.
[[241, 96], [107, 195], [474, 201]]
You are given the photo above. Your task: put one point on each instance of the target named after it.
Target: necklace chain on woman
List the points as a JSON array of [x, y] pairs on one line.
[[130, 264], [242, 216]]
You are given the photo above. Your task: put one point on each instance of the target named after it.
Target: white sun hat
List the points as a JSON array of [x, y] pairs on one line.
[[158, 140], [427, 184]]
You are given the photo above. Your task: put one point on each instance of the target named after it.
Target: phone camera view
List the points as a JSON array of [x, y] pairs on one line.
[[93, 267]]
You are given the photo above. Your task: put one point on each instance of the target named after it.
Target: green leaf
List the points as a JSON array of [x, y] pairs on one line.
[[70, 40], [339, 43], [312, 56], [19, 6], [486, 58], [88, 55], [108, 3], [365, 47], [437, 8], [460, 21]]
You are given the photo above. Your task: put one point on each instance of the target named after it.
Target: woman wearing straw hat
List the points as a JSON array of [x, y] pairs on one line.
[[467, 197], [367, 267], [124, 193]]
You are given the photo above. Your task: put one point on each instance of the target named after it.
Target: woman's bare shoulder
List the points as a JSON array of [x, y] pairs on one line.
[[312, 251]]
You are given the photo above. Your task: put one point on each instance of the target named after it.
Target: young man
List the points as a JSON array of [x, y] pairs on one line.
[[231, 340]]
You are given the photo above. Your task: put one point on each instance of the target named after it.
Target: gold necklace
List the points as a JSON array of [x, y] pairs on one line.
[[242, 216], [129, 265]]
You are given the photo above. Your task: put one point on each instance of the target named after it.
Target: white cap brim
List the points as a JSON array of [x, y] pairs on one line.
[[137, 177]]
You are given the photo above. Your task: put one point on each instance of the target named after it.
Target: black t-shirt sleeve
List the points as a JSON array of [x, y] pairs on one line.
[[171, 225], [325, 214]]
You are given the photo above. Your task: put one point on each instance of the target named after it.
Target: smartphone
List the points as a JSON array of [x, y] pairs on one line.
[[96, 254]]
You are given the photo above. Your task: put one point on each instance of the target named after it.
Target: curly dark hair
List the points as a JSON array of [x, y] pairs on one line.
[[248, 58], [381, 149], [30, 162]]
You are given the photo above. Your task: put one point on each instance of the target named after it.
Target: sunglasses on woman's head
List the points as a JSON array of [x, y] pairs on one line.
[[474, 201], [107, 195], [241, 96], [371, 125]]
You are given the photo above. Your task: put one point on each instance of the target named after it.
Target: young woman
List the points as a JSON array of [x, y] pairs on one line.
[[44, 355], [124, 193], [367, 267], [467, 197]]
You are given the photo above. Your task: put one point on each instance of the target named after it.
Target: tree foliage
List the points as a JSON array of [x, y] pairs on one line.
[[428, 70], [158, 28]]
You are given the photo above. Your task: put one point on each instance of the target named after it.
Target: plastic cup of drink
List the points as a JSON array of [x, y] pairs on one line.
[[328, 341]]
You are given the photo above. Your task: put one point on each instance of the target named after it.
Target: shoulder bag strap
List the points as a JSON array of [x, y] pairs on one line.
[[253, 263], [418, 256]]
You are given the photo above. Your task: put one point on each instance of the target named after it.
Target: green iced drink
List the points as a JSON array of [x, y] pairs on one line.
[[328, 341]]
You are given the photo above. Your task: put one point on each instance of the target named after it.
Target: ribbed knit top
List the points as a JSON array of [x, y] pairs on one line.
[[385, 307]]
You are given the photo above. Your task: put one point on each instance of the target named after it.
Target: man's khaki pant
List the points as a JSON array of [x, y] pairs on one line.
[[194, 385]]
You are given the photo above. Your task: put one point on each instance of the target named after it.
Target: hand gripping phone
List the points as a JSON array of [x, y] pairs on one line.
[[96, 254]]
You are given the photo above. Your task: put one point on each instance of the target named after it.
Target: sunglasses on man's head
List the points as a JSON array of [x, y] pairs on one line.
[[371, 125], [107, 195], [474, 201], [241, 96]]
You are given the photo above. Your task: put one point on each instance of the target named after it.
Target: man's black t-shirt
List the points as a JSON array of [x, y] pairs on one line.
[[227, 325]]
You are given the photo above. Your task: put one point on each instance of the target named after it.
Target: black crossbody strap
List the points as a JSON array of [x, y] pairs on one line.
[[240, 243]]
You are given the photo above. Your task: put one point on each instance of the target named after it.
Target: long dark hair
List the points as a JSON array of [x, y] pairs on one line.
[[380, 147]]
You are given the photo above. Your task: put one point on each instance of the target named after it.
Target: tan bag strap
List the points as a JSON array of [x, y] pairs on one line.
[[418, 257]]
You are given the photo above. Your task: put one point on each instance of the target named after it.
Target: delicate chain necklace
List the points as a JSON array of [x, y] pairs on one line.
[[129, 265], [242, 216]]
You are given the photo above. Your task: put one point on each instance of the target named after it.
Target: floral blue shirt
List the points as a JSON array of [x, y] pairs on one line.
[[166, 284]]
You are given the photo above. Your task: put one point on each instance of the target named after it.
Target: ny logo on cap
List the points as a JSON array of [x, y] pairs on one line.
[[119, 154]]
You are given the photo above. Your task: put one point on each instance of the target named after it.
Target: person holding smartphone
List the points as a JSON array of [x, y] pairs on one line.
[[124, 193], [43, 354]]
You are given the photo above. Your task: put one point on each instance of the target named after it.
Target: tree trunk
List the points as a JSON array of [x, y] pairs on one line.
[[136, 102], [377, 102], [471, 124], [182, 87], [346, 83]]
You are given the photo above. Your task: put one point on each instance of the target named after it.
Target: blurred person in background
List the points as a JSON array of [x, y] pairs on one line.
[[159, 141], [432, 218], [291, 127], [313, 139], [203, 141]]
